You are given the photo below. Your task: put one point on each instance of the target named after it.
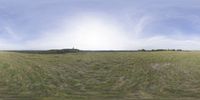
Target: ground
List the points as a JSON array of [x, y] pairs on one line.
[[100, 76]]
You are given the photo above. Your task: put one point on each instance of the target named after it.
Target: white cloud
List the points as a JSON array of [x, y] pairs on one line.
[[140, 26], [11, 33], [161, 42], [6, 45]]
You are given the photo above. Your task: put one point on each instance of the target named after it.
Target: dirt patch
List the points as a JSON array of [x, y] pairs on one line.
[[120, 82], [159, 66]]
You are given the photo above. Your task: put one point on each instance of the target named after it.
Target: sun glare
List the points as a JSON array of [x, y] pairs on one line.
[[94, 33]]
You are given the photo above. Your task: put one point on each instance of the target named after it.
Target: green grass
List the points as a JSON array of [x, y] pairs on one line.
[[100, 76]]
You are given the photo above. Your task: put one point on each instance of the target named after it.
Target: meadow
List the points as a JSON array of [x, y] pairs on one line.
[[100, 76]]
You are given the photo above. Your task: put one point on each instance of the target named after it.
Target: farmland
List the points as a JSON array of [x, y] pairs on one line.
[[100, 75]]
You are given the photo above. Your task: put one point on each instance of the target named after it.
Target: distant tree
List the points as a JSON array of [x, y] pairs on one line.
[[179, 50], [142, 50]]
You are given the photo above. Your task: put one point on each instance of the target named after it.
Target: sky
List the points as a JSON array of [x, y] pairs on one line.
[[99, 24]]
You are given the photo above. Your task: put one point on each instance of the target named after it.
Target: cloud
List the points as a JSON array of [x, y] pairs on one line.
[[10, 32], [160, 42], [6, 45]]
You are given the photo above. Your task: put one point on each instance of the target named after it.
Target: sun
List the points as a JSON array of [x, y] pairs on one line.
[[94, 33]]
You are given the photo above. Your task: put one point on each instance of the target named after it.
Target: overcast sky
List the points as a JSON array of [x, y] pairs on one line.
[[100, 24]]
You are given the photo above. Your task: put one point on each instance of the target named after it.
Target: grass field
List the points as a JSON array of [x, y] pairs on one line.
[[100, 76]]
